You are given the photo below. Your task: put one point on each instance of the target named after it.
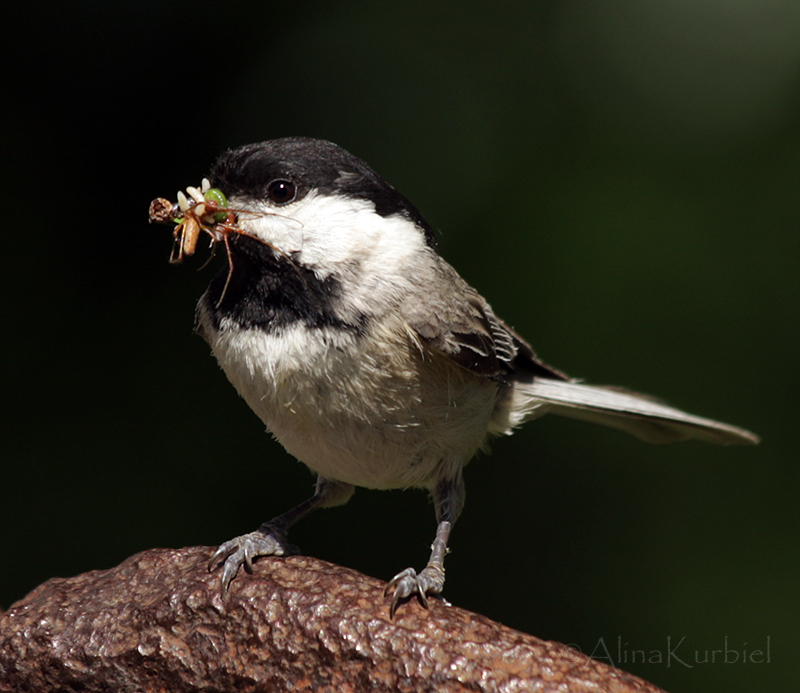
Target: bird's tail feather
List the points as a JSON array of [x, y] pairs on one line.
[[639, 415]]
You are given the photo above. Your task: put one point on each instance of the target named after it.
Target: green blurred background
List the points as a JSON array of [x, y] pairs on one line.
[[622, 181]]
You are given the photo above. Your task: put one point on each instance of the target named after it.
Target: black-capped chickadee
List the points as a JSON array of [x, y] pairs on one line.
[[365, 354]]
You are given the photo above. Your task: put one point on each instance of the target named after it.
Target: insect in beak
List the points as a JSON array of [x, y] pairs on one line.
[[196, 211], [202, 210]]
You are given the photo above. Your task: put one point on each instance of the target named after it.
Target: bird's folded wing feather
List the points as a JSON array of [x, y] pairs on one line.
[[463, 327]]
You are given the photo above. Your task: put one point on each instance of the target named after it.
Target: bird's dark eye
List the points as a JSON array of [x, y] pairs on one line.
[[281, 192]]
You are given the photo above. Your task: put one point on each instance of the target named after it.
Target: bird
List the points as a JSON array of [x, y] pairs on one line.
[[364, 353]]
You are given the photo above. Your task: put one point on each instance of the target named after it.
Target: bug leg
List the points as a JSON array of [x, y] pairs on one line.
[[177, 234], [210, 255], [230, 270]]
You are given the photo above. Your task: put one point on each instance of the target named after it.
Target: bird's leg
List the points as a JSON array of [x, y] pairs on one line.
[[448, 499], [270, 538]]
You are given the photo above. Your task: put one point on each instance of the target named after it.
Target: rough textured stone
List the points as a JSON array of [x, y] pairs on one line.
[[157, 622]]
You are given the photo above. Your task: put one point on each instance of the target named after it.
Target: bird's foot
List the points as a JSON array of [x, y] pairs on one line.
[[408, 583], [267, 540]]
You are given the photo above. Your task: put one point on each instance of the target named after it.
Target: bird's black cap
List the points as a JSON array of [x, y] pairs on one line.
[[310, 164]]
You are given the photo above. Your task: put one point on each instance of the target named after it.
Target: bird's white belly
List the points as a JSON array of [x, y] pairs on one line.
[[389, 418]]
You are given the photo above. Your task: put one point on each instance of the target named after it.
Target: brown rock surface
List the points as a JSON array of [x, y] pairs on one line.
[[157, 622]]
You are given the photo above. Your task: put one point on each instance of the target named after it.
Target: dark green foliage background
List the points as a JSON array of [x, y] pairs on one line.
[[622, 183]]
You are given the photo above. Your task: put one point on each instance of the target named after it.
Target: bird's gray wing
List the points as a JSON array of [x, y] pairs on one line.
[[462, 326]]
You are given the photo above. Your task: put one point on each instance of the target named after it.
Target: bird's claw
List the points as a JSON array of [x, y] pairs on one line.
[[240, 551], [408, 583]]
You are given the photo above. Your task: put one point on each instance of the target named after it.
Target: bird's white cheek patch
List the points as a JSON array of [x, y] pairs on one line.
[[331, 233]]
